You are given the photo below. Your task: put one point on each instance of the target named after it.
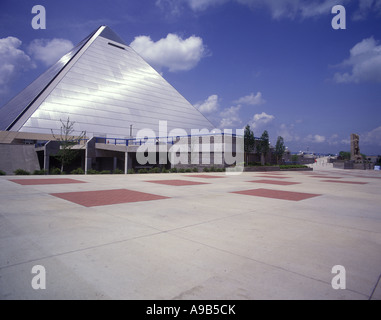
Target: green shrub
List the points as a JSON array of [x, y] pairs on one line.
[[105, 172], [2, 173], [182, 170], [206, 169], [140, 171], [292, 166], [165, 170], [78, 171], [253, 164], [195, 169], [130, 171], [188, 170], [118, 171], [92, 171], [21, 172], [173, 170], [154, 170], [55, 171], [40, 172]]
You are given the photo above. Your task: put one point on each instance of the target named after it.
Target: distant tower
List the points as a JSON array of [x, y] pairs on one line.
[[355, 148]]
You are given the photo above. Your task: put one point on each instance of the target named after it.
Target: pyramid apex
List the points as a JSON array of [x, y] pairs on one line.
[[108, 33]]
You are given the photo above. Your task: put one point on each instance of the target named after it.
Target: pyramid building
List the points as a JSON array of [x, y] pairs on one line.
[[106, 89]]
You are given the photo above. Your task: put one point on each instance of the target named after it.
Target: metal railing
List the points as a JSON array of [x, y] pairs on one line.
[[155, 140], [139, 141]]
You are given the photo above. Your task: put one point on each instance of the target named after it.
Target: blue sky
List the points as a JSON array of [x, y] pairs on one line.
[[273, 64]]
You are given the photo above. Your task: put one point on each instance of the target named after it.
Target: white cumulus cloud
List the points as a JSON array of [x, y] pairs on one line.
[[366, 7], [288, 133], [279, 9], [172, 52], [293, 8], [197, 5], [333, 139], [364, 62], [230, 118], [315, 138], [209, 105], [372, 137], [175, 7], [49, 51], [251, 99], [13, 61], [261, 119]]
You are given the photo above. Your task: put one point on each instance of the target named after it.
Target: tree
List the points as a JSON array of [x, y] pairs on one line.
[[295, 158], [67, 140], [345, 155], [249, 141], [263, 146], [279, 148]]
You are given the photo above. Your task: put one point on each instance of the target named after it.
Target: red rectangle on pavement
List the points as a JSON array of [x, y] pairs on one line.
[[106, 197], [366, 177], [347, 182], [204, 176], [326, 177], [276, 182], [273, 173], [177, 183], [272, 177], [36, 182], [278, 194]]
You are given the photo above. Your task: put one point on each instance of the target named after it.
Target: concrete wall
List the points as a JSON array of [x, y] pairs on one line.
[[14, 157], [343, 165], [352, 165]]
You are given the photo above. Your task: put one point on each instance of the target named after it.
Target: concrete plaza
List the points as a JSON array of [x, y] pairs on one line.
[[192, 236]]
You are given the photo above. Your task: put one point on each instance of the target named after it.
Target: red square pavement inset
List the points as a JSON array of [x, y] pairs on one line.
[[204, 176], [366, 177], [272, 172], [279, 183], [272, 177], [347, 182], [36, 182], [106, 197], [176, 183], [326, 177], [278, 194]]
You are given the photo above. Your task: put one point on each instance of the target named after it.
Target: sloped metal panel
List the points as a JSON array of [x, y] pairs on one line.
[[108, 89], [11, 111]]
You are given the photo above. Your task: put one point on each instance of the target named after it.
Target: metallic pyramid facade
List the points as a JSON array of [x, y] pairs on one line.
[[106, 88]]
